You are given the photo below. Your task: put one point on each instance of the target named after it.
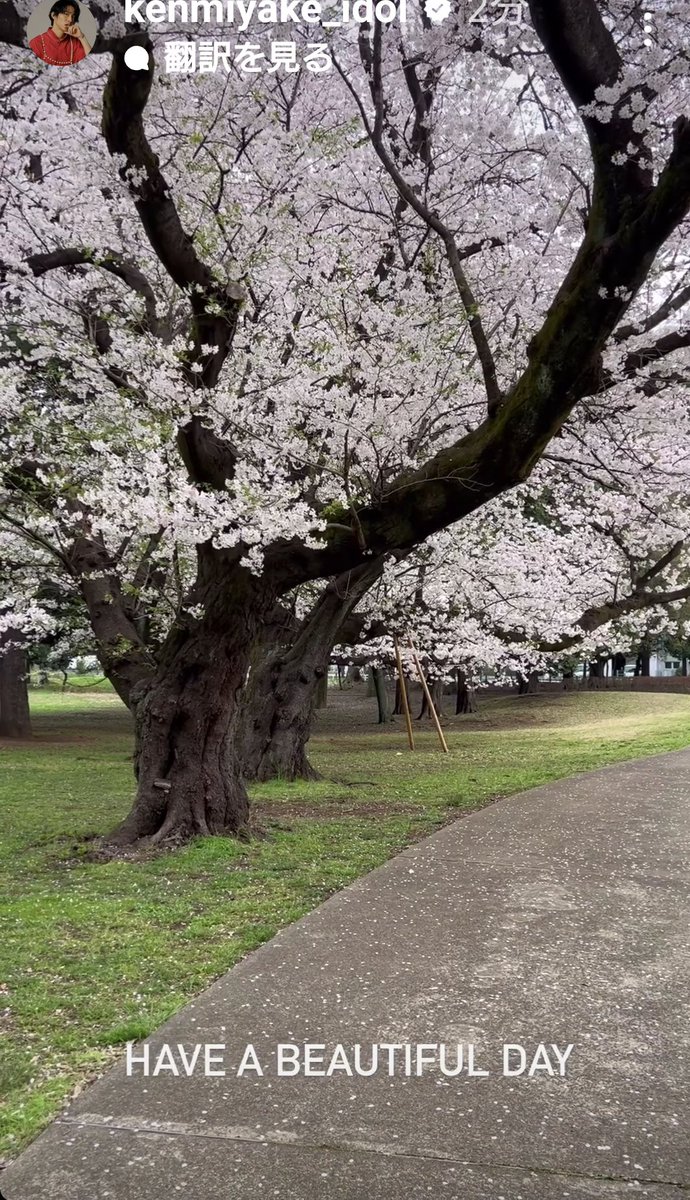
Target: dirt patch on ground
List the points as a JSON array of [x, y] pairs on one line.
[[271, 812], [351, 711], [17, 743], [267, 810]]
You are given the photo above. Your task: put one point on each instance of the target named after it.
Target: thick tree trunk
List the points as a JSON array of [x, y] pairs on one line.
[[382, 698], [353, 675], [321, 700], [186, 761], [15, 719], [529, 686], [618, 663], [437, 692], [277, 718], [569, 679], [398, 710], [465, 697], [282, 689], [643, 662], [597, 668]]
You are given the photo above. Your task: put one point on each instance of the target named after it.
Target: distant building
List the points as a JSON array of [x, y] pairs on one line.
[[661, 663]]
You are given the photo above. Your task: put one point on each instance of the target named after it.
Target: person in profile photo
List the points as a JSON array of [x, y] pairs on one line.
[[64, 43]]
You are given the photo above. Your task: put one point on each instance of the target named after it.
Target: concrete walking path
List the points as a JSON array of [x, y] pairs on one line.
[[557, 917]]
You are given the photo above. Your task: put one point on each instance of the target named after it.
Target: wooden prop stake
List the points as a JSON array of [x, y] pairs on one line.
[[403, 695], [427, 693]]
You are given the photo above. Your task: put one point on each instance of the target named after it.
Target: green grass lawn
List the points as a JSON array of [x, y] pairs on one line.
[[94, 954], [90, 681]]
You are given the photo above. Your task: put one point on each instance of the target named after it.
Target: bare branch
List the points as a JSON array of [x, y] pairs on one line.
[[215, 309], [371, 61], [586, 57], [677, 300], [110, 261], [637, 359], [125, 658], [658, 567]]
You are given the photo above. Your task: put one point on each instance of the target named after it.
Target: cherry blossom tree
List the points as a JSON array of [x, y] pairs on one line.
[[521, 584], [23, 620], [282, 331]]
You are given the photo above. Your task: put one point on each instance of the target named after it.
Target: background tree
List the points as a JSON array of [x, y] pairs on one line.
[[23, 620]]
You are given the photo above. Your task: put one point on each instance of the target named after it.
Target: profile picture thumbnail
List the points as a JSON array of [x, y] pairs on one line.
[[61, 32]]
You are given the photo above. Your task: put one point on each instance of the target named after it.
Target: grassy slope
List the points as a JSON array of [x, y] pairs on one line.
[[96, 954]]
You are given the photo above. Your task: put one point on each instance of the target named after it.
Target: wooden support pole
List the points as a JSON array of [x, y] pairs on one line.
[[427, 693], [403, 695]]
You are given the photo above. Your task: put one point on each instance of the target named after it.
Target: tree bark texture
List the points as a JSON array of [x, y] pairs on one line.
[[383, 700], [187, 759], [279, 705], [353, 675], [643, 664], [282, 689], [597, 668], [437, 692], [398, 709], [15, 719], [529, 686], [321, 700], [465, 697]]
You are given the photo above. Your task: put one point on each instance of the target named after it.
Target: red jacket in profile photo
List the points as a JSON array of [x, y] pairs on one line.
[[64, 42]]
